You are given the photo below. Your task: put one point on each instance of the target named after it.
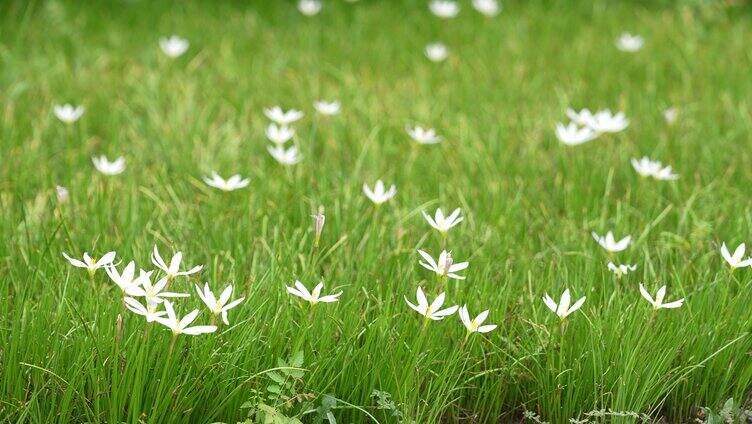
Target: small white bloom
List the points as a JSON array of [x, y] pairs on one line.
[[279, 134], [91, 264], [436, 52], [68, 113], [318, 224], [327, 108], [474, 325], [444, 8], [622, 269], [128, 284], [309, 7], [654, 169], [149, 311], [233, 183], [445, 266], [218, 306], [604, 121], [432, 311], [312, 297], [281, 117], [106, 167], [441, 223], [562, 310], [173, 46], [62, 194], [735, 260], [658, 301], [610, 244], [153, 292], [379, 195], [583, 117], [487, 7], [180, 326], [287, 157], [670, 115], [172, 270], [572, 135], [629, 43], [423, 135]]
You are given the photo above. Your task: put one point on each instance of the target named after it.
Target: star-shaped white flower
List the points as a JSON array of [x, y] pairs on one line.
[[379, 194], [432, 311], [562, 310], [573, 135], [180, 326], [91, 264], [281, 117], [605, 121], [313, 297], [441, 223], [436, 52], [622, 269], [629, 43], [736, 260], [489, 8], [423, 135], [173, 269], [327, 108], [153, 292], [444, 8], [658, 301], [233, 183], [279, 134], [654, 169], [173, 46], [287, 157], [610, 244], [103, 165], [68, 113], [309, 7], [129, 285], [445, 266], [149, 311], [218, 306], [474, 325]]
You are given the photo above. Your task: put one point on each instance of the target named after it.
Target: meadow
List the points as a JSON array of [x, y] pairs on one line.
[[530, 194]]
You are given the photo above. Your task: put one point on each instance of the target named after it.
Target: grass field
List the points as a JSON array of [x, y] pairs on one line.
[[70, 351]]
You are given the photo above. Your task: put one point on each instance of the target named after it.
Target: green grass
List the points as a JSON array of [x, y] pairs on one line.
[[530, 205]]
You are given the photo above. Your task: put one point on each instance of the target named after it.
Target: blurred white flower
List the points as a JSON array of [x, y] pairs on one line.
[[62, 194], [180, 326], [622, 269], [474, 325], [327, 108], [309, 7], [562, 310], [658, 301], [149, 311], [127, 280], [583, 117], [487, 7], [281, 117], [284, 156], [629, 43], [436, 52], [173, 269], [572, 135], [103, 165], [379, 195], [91, 264], [444, 8], [423, 135], [670, 115], [432, 311], [68, 113], [735, 260], [173, 46], [442, 223], [445, 266], [604, 121], [233, 183], [651, 168], [218, 306], [314, 296], [318, 224], [279, 134], [610, 244]]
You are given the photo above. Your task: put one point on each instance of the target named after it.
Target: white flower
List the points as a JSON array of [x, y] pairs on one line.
[[218, 306], [128, 284], [432, 311], [670, 115], [441, 223], [487, 7], [180, 326], [474, 325], [423, 135], [284, 156], [149, 311], [604, 121], [610, 244], [154, 294], [318, 224], [173, 46], [68, 113], [650, 168], [309, 7], [172, 270], [658, 301], [444, 8], [629, 43], [378, 195], [572, 135], [563, 309], [622, 269], [106, 167], [583, 117], [327, 108], [445, 266], [233, 183], [314, 296], [735, 260], [279, 134], [62, 194], [277, 115], [436, 52], [91, 264]]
